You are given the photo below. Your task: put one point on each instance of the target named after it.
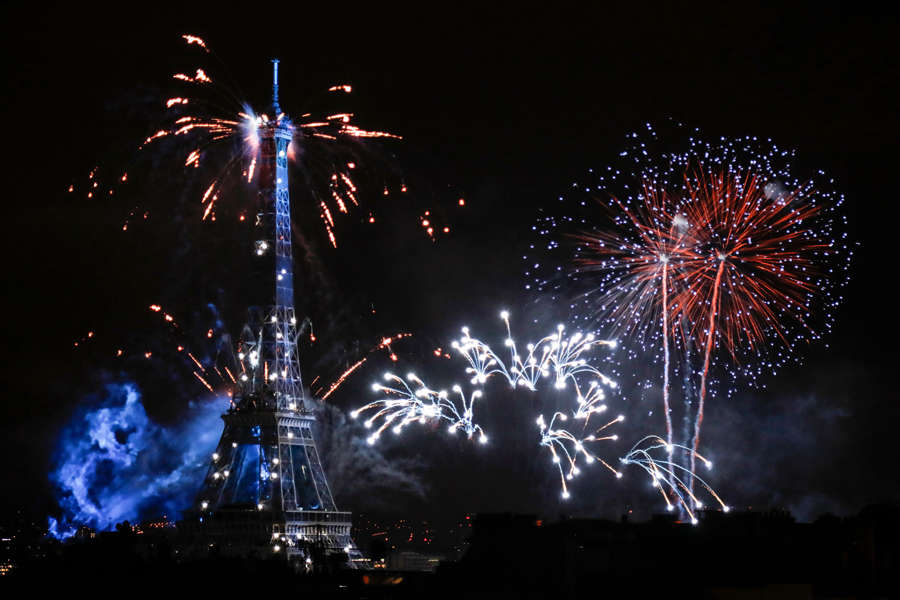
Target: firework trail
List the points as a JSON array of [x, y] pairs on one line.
[[718, 247], [665, 473], [404, 404], [564, 444], [385, 344]]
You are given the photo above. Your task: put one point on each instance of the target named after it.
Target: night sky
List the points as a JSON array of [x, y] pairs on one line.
[[502, 107]]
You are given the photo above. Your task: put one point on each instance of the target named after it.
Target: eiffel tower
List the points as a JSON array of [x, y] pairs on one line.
[[265, 492]]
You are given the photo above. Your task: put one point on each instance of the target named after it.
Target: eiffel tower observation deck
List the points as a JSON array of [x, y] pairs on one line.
[[265, 492]]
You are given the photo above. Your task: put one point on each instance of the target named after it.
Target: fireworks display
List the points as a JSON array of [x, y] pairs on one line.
[[213, 130], [561, 359], [319, 146], [713, 262], [215, 363], [714, 259], [405, 404], [206, 126]]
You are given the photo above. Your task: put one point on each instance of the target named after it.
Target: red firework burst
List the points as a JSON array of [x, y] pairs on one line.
[[713, 246], [759, 256], [762, 256], [658, 248], [728, 253]]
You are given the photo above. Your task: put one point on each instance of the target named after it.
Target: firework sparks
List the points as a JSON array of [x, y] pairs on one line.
[[223, 131], [404, 404], [193, 39], [555, 354], [673, 480], [558, 356], [565, 448], [199, 77]]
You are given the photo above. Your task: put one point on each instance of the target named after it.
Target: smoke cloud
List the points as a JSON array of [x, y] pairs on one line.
[[360, 475], [114, 463]]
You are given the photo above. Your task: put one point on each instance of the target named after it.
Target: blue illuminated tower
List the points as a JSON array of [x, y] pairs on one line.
[[265, 491]]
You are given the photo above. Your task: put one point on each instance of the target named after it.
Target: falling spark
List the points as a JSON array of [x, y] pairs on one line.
[[384, 344], [203, 381], [193, 39], [196, 362]]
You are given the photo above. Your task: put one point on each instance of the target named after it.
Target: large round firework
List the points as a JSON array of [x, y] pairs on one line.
[[663, 219], [704, 257]]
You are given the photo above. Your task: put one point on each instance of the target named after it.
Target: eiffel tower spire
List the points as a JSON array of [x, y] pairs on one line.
[[271, 341], [276, 108], [265, 491]]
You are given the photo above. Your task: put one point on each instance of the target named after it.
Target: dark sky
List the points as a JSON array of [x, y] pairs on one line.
[[505, 106]]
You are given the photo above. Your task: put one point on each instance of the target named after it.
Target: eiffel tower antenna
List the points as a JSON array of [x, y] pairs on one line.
[[265, 491], [275, 87]]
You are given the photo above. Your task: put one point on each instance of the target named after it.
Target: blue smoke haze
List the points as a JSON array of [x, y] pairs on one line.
[[114, 463]]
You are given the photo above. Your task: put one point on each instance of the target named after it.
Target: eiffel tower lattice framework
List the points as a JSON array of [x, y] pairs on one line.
[[265, 492]]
